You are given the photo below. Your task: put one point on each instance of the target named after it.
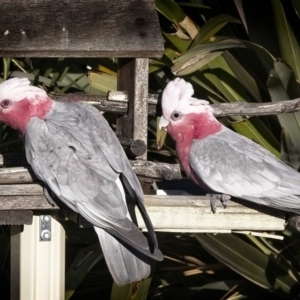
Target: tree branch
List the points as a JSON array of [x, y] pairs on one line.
[[117, 103]]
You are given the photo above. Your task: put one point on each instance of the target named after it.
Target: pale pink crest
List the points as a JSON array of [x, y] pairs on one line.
[[177, 96], [17, 89]]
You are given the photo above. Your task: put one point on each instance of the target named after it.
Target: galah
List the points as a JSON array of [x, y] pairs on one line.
[[221, 160], [73, 150]]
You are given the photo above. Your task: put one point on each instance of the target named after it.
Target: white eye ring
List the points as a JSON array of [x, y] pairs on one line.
[[176, 115], [5, 103]]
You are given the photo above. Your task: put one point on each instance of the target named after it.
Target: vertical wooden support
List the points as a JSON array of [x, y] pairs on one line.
[[41, 263], [133, 78]]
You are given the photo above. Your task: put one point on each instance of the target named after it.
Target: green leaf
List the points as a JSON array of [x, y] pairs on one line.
[[262, 52], [212, 26], [208, 47], [170, 9], [178, 43], [192, 65], [82, 264], [255, 130], [133, 291], [244, 77], [101, 83], [198, 5], [221, 76], [288, 44], [6, 67], [248, 261], [281, 83], [289, 153]]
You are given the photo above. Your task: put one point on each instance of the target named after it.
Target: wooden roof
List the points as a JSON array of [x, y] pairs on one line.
[[74, 28]]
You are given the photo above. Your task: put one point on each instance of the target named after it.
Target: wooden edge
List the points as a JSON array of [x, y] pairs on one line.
[[179, 213]]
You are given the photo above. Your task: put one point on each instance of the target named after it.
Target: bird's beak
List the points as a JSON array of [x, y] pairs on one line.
[[161, 131]]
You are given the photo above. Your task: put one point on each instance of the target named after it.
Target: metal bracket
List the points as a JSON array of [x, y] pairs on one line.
[[45, 228]]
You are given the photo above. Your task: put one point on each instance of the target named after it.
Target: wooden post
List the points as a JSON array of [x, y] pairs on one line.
[[133, 78], [38, 266]]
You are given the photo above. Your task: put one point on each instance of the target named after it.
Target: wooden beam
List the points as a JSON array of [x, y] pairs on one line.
[[97, 28], [152, 170], [174, 213]]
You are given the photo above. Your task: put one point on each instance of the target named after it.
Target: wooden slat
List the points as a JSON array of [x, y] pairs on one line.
[[15, 217], [21, 202], [95, 28], [193, 214], [152, 170], [178, 213]]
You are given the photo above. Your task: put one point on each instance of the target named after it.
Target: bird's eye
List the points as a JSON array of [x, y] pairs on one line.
[[5, 103], [175, 115]]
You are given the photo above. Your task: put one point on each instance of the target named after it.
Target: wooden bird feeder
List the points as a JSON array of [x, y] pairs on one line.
[[128, 30]]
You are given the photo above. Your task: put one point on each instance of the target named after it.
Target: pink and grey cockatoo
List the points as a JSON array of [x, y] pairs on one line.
[[73, 150], [221, 160]]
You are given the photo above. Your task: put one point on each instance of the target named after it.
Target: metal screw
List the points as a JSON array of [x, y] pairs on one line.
[[45, 218], [46, 235]]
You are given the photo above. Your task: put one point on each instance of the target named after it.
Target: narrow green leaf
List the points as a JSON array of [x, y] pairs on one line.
[[208, 47], [82, 264], [288, 44], [6, 67], [241, 74], [255, 130], [262, 52], [212, 26], [289, 153], [178, 43], [101, 83], [281, 81], [296, 4], [198, 5], [170, 9], [255, 266], [199, 61], [133, 291], [221, 76]]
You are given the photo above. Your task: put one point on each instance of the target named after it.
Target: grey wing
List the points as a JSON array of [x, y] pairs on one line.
[[66, 151], [119, 162], [232, 164]]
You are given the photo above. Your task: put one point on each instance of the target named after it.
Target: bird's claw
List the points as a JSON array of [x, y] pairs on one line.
[[215, 197], [48, 197]]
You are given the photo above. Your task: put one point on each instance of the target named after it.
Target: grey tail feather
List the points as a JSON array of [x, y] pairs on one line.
[[124, 264], [142, 209]]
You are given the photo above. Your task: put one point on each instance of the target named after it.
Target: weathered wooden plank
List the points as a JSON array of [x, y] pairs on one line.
[[193, 214], [17, 175], [96, 28], [16, 217], [180, 213], [152, 170], [21, 202], [21, 189]]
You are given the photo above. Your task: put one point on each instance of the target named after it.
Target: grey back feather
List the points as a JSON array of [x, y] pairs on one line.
[[232, 164], [75, 152]]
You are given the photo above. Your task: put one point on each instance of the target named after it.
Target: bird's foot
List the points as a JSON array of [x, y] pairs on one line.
[[49, 196], [218, 197]]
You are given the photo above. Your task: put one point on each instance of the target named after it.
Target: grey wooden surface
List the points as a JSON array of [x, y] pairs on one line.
[[133, 78], [74, 28], [151, 170], [177, 213]]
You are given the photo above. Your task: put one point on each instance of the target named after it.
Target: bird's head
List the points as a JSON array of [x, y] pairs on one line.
[[178, 106], [19, 101]]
